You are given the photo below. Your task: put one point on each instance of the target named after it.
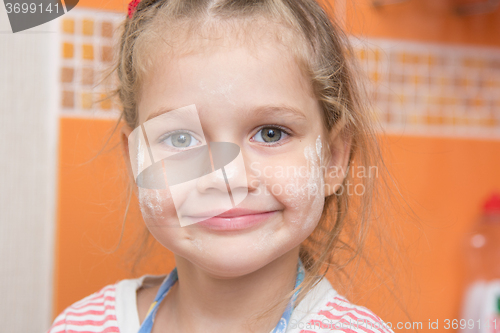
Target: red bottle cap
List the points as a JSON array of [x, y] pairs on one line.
[[492, 205]]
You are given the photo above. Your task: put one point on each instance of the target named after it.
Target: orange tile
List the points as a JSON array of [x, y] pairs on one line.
[[467, 62], [443, 80], [434, 120], [68, 50], [105, 103], [88, 27], [87, 76], [86, 100], [473, 63], [492, 122], [405, 58], [67, 74], [401, 99], [474, 121], [414, 119], [373, 54], [107, 29], [68, 26], [427, 119], [107, 53], [477, 102], [88, 51], [488, 83], [487, 122], [431, 60], [494, 64], [451, 101], [463, 82], [375, 77], [361, 54], [447, 120], [68, 99]]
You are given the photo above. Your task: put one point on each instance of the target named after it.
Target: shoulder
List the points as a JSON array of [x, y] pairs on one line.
[[111, 309], [337, 313], [94, 313], [327, 311]]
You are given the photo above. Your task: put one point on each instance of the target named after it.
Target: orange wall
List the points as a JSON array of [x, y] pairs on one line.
[[113, 5], [425, 21], [443, 179]]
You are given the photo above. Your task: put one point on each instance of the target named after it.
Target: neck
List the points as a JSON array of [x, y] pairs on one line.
[[242, 304]]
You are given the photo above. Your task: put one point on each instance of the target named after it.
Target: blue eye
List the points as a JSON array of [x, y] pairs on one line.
[[181, 139], [269, 135]]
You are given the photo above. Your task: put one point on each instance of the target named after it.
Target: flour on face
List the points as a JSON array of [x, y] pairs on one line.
[[223, 89], [306, 191], [319, 145], [152, 203], [315, 184], [198, 244]]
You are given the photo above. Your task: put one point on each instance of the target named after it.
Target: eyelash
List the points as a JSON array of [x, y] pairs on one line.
[[278, 127]]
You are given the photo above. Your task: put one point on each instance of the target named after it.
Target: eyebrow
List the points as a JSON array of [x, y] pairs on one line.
[[276, 110], [161, 111], [280, 110]]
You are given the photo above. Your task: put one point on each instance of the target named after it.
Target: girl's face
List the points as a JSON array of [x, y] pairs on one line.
[[259, 99]]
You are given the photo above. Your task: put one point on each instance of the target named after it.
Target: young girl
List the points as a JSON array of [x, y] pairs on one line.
[[241, 119]]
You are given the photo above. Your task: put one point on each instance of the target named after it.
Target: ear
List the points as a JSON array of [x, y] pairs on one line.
[[339, 154], [124, 134]]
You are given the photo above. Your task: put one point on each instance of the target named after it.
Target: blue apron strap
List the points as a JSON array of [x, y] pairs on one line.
[[285, 317], [170, 280]]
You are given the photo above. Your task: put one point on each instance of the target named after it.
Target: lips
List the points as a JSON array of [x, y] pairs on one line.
[[233, 219]]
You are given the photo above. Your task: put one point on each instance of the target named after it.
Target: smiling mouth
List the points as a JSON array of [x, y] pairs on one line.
[[233, 219]]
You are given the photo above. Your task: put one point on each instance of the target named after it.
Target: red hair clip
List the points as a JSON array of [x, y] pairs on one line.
[[131, 7]]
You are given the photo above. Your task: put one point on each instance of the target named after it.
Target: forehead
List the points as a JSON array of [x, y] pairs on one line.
[[191, 34], [224, 68]]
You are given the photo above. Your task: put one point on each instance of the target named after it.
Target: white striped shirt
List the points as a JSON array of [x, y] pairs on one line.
[[114, 309]]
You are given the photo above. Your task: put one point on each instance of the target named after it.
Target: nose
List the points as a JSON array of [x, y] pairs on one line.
[[229, 173]]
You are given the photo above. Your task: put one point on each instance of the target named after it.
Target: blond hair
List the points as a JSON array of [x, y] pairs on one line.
[[326, 57]]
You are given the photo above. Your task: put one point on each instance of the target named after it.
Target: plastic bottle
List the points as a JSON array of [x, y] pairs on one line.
[[481, 303]]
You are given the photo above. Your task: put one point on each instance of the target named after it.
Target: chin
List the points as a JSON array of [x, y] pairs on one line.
[[232, 264]]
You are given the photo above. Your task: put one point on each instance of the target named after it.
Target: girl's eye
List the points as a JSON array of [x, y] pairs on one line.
[[269, 135], [181, 140]]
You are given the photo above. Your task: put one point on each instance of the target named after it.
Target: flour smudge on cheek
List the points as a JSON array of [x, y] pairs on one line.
[[306, 192], [153, 204], [317, 182], [319, 145], [264, 241], [198, 244], [315, 185]]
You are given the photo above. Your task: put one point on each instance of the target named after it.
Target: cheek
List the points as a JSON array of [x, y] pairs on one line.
[[304, 191], [157, 207]]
